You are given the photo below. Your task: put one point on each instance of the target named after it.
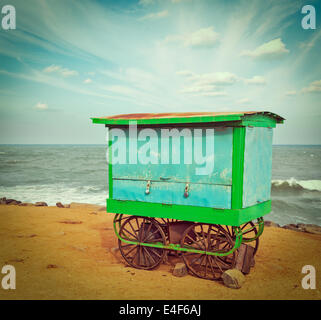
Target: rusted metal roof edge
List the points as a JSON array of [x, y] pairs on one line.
[[172, 118]]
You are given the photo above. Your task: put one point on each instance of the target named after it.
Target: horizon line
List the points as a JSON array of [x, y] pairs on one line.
[[101, 144]]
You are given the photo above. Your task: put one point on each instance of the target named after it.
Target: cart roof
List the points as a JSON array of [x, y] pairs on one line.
[[241, 117]]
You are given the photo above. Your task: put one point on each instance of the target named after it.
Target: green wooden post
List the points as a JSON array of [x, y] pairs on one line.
[[110, 169], [238, 167]]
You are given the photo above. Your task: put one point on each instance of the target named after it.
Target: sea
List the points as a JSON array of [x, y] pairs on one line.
[[79, 173]]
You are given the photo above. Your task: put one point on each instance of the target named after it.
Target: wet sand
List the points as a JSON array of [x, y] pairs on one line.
[[62, 253]]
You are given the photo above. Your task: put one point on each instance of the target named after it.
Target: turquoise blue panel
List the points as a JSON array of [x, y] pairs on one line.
[[257, 165], [204, 195], [220, 162]]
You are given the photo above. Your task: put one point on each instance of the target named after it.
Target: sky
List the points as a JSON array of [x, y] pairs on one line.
[[68, 61]]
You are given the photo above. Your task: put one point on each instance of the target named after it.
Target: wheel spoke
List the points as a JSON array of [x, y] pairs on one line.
[[135, 238], [135, 231], [131, 250], [146, 250], [194, 241], [142, 231], [196, 259], [149, 236], [205, 266], [210, 261], [203, 237], [147, 232], [214, 259], [155, 252]]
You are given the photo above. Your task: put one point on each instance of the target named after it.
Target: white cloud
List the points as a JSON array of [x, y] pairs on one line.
[[185, 73], [314, 86], [41, 106], [88, 80], [145, 2], [216, 78], [202, 38], [291, 93], [198, 89], [157, 15], [243, 100], [213, 94], [308, 44], [206, 84], [269, 50], [123, 90], [135, 77], [60, 70], [52, 68], [202, 90], [256, 80]]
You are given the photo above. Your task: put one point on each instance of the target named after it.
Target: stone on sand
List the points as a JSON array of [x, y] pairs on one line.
[[60, 205], [310, 228], [233, 278], [271, 224], [41, 204], [180, 270], [25, 204]]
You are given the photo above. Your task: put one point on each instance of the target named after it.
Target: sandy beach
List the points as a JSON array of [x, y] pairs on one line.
[[66, 253]]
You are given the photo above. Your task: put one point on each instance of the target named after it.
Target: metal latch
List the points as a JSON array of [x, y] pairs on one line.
[[147, 187], [186, 190]]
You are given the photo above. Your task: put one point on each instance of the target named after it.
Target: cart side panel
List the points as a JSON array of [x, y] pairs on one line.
[[257, 165]]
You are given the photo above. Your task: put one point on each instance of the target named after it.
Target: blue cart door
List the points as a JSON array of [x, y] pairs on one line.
[[174, 160]]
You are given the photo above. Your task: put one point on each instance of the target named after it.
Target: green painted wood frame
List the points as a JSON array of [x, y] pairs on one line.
[[238, 166], [231, 217]]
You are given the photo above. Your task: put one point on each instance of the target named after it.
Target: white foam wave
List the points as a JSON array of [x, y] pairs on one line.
[[53, 193], [312, 185]]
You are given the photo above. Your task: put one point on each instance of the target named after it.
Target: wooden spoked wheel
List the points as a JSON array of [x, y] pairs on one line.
[[210, 238], [142, 230]]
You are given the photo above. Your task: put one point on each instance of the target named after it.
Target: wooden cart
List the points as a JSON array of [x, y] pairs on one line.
[[203, 210]]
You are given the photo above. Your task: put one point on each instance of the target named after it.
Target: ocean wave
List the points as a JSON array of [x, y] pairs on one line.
[[52, 193], [293, 184]]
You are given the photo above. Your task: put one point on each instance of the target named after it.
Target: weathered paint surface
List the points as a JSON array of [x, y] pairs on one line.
[[168, 181], [203, 195], [221, 159], [257, 166]]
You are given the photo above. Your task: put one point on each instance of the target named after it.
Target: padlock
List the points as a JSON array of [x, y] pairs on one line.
[[186, 191], [147, 191]]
